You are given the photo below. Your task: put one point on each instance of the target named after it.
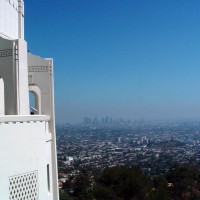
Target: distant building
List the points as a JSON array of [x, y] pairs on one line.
[[87, 121], [119, 139], [28, 164]]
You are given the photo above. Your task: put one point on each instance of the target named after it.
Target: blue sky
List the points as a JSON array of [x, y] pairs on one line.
[[125, 58]]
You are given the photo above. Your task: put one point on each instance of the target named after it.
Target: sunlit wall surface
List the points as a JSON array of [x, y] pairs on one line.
[[9, 20]]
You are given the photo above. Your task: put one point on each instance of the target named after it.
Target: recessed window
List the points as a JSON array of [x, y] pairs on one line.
[[2, 97], [48, 178]]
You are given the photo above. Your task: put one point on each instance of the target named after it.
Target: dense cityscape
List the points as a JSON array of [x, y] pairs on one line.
[[155, 147]]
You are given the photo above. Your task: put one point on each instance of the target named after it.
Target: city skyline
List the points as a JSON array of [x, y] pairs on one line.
[[130, 59]]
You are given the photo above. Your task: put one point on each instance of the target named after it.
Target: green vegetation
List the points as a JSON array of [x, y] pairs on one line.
[[130, 183], [121, 183], [185, 179], [64, 196]]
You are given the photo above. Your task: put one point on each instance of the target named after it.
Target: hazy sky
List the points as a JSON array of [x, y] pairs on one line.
[[121, 58]]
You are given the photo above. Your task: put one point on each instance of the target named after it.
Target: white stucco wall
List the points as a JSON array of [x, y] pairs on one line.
[[14, 71], [27, 143], [41, 75], [9, 18], [25, 147]]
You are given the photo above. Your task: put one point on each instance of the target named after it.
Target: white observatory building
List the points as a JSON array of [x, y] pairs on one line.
[[28, 164]]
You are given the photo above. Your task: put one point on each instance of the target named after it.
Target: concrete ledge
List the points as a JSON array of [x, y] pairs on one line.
[[23, 118]]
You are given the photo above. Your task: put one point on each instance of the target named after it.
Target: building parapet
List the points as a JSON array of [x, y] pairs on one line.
[[23, 118]]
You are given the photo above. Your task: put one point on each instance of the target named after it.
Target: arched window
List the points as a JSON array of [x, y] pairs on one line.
[[2, 97], [35, 99]]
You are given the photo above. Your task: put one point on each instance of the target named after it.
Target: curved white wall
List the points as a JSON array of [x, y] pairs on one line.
[[9, 21]]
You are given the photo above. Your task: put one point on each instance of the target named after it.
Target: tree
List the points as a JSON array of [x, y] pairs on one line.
[[121, 183], [63, 195], [183, 178], [159, 189], [82, 186]]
